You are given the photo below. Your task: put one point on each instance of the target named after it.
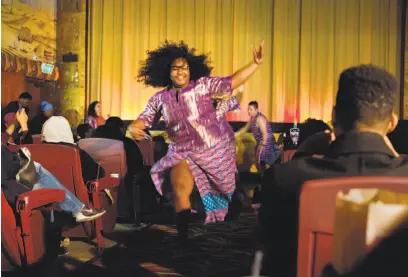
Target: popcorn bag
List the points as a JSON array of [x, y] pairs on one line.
[[363, 217]]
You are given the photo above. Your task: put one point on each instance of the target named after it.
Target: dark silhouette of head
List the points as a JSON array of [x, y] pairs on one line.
[[84, 130], [365, 100], [310, 127]]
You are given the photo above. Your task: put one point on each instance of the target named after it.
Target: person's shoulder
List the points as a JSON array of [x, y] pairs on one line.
[[303, 167], [12, 103], [159, 94]]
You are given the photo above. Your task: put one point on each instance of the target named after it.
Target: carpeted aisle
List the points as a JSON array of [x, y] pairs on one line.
[[222, 249]]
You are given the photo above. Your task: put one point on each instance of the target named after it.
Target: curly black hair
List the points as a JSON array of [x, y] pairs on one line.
[[156, 68], [366, 94]]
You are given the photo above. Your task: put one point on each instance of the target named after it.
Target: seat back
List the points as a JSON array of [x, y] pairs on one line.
[[4, 138], [287, 155], [108, 152], [147, 149], [65, 164], [112, 157], [37, 139], [11, 253], [317, 214]]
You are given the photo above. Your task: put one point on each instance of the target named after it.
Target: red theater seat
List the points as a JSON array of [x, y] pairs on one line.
[[287, 155], [317, 213], [37, 139], [4, 138], [23, 240], [65, 164], [111, 155], [147, 149]]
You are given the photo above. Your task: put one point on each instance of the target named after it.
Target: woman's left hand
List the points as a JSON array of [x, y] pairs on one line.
[[259, 54]]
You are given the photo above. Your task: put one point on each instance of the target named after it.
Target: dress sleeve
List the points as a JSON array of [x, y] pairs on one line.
[[216, 86], [149, 115], [233, 104]]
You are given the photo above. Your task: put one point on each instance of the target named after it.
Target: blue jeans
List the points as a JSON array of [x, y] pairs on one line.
[[48, 181]]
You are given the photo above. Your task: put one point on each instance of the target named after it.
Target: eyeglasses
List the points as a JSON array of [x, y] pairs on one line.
[[176, 68]]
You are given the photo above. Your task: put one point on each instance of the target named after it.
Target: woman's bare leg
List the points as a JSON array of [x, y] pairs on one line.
[[182, 182]]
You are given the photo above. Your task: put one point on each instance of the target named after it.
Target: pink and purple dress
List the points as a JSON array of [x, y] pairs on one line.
[[222, 108], [196, 136]]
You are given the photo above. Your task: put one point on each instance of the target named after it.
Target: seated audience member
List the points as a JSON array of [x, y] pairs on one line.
[[362, 117], [20, 174], [115, 129], [315, 137], [19, 123], [84, 131], [46, 110], [95, 117], [57, 130], [160, 147], [23, 101]]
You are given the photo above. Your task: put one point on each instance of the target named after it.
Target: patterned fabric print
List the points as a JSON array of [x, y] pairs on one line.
[[188, 113], [223, 107], [268, 148], [214, 175], [91, 121]]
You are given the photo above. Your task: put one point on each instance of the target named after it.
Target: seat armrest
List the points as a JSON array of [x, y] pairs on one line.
[[37, 198], [28, 201], [105, 183]]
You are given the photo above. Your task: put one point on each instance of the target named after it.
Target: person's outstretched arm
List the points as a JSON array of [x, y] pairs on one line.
[[243, 74], [145, 119], [243, 130]]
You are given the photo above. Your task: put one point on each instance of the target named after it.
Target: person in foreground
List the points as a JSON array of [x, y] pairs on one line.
[[362, 117], [199, 152]]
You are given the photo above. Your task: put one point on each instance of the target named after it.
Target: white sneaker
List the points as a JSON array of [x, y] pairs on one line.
[[88, 215]]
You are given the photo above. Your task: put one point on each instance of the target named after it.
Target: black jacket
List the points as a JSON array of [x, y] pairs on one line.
[[352, 154]]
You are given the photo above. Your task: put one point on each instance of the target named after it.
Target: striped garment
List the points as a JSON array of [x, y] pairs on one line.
[[270, 152], [213, 170]]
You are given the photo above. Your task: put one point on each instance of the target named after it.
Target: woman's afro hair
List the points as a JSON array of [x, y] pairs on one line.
[[156, 68]]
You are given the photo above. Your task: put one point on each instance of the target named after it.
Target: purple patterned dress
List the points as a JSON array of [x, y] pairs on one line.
[[222, 108], [196, 136]]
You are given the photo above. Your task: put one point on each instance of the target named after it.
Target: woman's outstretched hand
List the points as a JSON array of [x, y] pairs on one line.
[[259, 54], [136, 132]]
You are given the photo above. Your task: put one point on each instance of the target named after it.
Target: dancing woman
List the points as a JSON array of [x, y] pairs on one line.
[[199, 153]]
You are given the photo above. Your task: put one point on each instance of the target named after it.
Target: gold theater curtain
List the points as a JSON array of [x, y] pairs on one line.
[[308, 43]]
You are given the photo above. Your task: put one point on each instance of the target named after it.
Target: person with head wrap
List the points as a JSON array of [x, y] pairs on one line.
[[57, 130], [46, 110]]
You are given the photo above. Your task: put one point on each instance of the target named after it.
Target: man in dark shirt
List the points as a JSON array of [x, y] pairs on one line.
[[23, 102], [363, 115]]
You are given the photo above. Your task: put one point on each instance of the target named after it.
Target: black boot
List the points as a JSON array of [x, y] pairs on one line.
[[182, 220]]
